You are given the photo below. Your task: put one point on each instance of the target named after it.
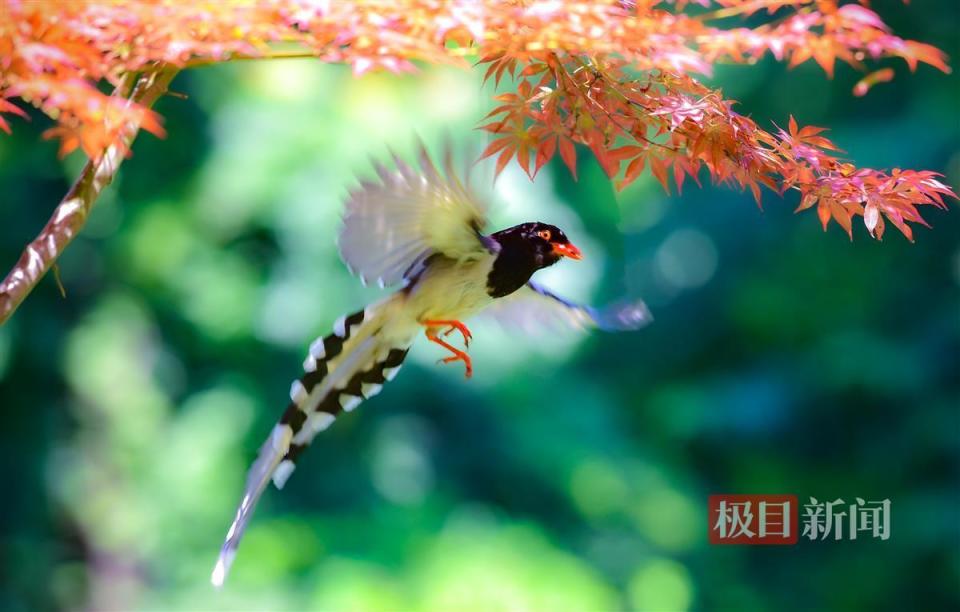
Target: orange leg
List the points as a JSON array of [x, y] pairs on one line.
[[453, 326], [457, 355]]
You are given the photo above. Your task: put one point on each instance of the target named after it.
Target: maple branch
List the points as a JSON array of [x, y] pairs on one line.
[[237, 57], [733, 11], [71, 214]]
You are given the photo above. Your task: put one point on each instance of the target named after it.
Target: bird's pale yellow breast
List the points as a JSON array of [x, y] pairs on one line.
[[451, 290]]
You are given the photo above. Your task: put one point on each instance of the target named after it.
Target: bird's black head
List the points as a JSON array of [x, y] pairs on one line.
[[524, 249]]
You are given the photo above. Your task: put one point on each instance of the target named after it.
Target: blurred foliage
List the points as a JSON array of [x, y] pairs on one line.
[[570, 473]]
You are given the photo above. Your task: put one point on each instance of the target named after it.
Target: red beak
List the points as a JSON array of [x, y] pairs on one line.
[[567, 250]]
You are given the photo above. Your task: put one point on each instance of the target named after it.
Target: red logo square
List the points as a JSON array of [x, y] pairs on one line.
[[752, 519]]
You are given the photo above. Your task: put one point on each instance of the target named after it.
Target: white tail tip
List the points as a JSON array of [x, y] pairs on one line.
[[221, 568]]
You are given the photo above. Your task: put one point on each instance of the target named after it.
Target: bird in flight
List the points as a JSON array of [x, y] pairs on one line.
[[421, 230]]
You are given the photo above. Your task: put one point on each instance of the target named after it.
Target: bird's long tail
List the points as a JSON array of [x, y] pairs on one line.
[[341, 370]]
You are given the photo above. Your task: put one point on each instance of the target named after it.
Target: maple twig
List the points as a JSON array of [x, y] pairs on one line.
[[71, 214], [733, 11], [598, 76], [290, 54]]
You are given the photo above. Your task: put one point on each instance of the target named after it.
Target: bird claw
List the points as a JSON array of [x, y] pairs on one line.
[[459, 356], [451, 326], [464, 331]]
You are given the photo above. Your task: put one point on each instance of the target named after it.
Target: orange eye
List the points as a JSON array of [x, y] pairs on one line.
[[545, 234]]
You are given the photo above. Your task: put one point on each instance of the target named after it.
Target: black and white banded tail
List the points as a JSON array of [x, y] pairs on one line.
[[340, 371]]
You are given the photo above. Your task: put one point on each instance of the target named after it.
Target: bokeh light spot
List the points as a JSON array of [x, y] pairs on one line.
[[598, 489], [661, 584], [687, 259]]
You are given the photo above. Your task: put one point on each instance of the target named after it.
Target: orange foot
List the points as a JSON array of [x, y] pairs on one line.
[[452, 327], [458, 355]]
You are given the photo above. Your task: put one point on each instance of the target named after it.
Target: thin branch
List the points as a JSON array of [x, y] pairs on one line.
[[597, 76], [71, 214], [745, 9], [278, 54]]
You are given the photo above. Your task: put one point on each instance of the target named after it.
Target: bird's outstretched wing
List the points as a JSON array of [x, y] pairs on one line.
[[534, 309], [392, 225]]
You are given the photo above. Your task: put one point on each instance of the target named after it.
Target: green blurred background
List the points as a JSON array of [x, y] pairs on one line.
[[572, 472]]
